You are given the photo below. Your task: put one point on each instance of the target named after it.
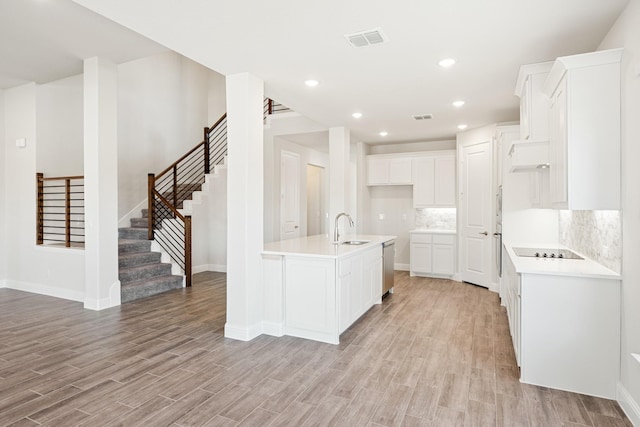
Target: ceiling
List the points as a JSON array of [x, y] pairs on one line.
[[46, 40], [285, 42]]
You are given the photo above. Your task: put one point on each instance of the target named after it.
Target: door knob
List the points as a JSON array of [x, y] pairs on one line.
[[484, 233]]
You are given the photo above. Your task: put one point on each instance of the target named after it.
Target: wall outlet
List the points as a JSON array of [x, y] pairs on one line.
[[381, 217], [21, 142]]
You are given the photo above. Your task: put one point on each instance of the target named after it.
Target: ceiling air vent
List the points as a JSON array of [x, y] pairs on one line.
[[423, 117], [366, 38]]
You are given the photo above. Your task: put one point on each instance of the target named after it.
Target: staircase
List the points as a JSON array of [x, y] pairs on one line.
[[141, 272]]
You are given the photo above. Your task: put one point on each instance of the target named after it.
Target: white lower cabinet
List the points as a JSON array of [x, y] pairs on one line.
[[565, 330], [432, 254]]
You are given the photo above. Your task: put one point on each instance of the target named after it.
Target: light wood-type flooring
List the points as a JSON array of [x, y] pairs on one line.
[[435, 353]]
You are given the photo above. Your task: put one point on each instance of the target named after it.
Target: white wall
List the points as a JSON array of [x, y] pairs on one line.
[[49, 271], [626, 33], [59, 126], [217, 97], [3, 225], [163, 106], [396, 204]]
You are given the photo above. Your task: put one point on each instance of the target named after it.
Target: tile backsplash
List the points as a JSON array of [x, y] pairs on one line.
[[436, 218], [596, 234]]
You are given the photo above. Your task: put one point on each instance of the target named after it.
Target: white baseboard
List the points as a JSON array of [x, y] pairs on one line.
[[628, 404], [273, 329], [113, 300], [133, 213], [219, 268], [457, 277], [401, 267], [494, 287], [241, 333], [38, 288], [3, 284]]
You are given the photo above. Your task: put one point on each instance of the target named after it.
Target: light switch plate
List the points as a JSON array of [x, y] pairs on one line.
[[21, 142], [381, 216]]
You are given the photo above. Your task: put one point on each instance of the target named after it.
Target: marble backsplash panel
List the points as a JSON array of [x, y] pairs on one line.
[[596, 234], [436, 218]]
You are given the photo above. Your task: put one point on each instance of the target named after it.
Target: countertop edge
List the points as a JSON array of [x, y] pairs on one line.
[[432, 231], [589, 268], [349, 250]]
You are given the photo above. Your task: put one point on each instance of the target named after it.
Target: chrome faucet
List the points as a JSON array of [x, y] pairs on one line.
[[336, 234]]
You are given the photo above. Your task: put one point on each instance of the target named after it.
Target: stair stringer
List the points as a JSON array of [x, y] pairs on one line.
[[208, 210]]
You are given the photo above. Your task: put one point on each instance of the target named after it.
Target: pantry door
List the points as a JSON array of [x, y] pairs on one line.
[[475, 214]]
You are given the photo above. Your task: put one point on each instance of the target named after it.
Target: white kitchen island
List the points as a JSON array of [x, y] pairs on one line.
[[315, 289]]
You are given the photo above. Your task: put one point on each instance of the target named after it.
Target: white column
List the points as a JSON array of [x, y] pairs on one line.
[[102, 287], [244, 207], [339, 149]]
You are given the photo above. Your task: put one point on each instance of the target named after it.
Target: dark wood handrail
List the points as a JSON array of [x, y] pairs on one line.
[[168, 204], [174, 164], [61, 178], [224, 116]]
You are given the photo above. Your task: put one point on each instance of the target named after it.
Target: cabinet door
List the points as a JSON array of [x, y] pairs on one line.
[[443, 259], [423, 182], [377, 171], [400, 171], [445, 181], [356, 291], [558, 146], [421, 258]]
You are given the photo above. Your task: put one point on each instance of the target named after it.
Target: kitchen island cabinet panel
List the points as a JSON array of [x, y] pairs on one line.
[[309, 302]]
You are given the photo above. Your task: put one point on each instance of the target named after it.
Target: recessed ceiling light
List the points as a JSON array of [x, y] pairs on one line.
[[446, 63], [462, 127], [311, 83], [356, 115], [458, 103], [384, 133]]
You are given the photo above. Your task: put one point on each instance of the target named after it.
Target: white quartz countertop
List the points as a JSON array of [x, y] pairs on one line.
[[559, 267], [432, 231], [321, 246]]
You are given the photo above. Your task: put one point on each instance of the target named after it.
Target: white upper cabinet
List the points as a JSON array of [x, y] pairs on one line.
[[532, 150], [434, 181], [584, 92], [386, 170], [534, 105]]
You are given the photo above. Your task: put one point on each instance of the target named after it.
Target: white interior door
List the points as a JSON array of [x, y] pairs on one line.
[[475, 204], [315, 195], [289, 195]]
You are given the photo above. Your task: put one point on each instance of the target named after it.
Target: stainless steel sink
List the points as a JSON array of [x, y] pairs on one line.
[[355, 242]]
